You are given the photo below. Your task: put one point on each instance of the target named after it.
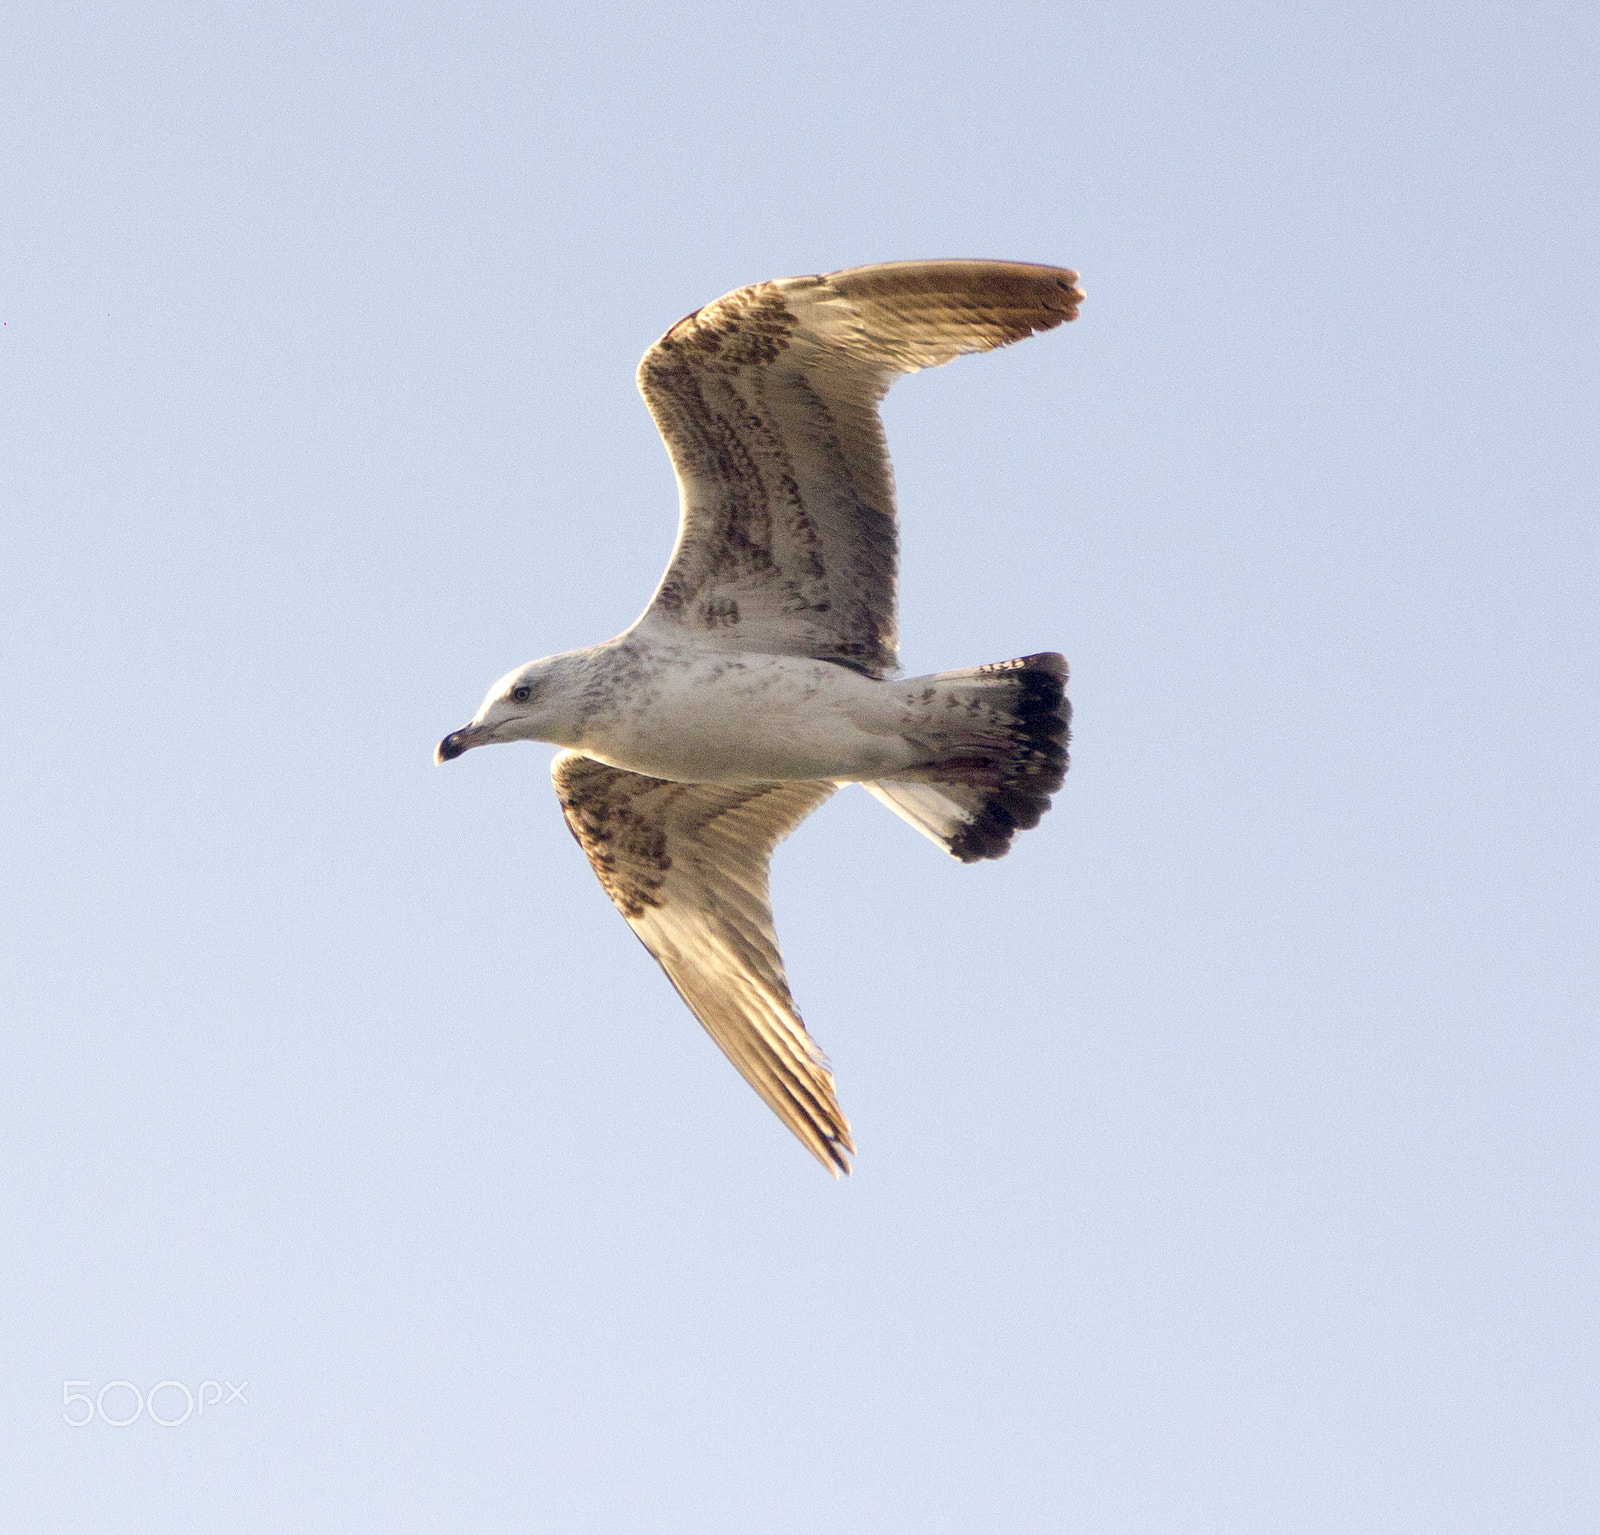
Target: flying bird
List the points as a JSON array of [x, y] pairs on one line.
[[763, 674]]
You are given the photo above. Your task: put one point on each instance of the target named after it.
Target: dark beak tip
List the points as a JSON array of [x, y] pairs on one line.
[[450, 748]]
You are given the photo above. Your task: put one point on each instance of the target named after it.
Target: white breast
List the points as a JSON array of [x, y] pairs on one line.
[[730, 718]]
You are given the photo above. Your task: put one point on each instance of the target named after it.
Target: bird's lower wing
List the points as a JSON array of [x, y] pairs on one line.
[[686, 864]]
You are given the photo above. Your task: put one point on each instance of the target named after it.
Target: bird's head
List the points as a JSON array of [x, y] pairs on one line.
[[518, 708]]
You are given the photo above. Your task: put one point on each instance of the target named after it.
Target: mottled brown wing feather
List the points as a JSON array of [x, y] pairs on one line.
[[767, 401], [686, 864]]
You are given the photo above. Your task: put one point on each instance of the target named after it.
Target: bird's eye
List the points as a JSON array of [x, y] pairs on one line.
[[520, 692]]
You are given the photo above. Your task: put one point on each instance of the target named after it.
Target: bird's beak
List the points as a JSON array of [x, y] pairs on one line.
[[459, 741]]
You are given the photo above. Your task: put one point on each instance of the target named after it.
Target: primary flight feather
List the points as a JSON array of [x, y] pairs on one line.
[[763, 673]]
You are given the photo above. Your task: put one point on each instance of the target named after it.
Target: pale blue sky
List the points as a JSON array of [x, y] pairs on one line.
[[1227, 1152]]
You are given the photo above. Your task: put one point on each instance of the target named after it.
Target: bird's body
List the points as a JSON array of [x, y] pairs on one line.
[[763, 673], [696, 716]]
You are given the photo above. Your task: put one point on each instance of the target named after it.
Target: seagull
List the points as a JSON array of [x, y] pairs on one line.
[[763, 674]]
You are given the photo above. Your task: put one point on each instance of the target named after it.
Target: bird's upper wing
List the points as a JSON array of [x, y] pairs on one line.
[[686, 864], [767, 401]]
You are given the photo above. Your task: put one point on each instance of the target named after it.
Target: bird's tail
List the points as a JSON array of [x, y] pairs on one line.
[[996, 738]]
